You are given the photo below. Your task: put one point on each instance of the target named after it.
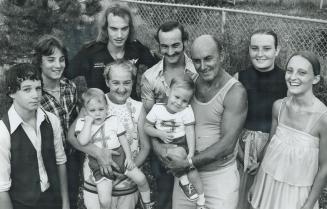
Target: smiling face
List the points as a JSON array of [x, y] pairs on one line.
[[118, 30], [53, 66], [28, 97], [171, 45], [299, 75], [178, 99], [97, 109], [120, 84], [263, 52], [206, 58]]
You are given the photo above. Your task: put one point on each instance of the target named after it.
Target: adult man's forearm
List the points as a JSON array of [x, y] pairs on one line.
[[215, 153]]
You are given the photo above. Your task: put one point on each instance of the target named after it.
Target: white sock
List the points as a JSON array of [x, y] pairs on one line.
[[145, 196], [201, 200], [184, 180]]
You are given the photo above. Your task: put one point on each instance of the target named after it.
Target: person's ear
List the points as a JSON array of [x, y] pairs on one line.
[[107, 82], [169, 92], [277, 51], [316, 79], [185, 45], [12, 95]]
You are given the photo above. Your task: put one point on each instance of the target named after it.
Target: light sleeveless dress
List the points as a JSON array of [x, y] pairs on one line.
[[288, 169]]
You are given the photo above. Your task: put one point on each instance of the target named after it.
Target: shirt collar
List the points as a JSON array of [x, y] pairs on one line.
[[188, 65], [15, 120]]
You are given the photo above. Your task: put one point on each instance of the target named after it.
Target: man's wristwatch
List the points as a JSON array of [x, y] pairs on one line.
[[190, 162]]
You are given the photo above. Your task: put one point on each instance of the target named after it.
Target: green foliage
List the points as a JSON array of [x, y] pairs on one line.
[[24, 21]]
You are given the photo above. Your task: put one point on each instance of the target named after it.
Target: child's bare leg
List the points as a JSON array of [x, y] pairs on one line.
[[140, 180], [104, 188], [194, 178], [181, 153]]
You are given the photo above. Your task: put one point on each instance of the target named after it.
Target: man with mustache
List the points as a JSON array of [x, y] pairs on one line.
[[220, 108], [172, 39]]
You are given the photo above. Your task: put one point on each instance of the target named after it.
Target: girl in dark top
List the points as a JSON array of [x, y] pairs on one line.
[[264, 83]]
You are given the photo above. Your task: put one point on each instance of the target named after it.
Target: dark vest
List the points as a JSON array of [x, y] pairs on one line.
[[25, 187]]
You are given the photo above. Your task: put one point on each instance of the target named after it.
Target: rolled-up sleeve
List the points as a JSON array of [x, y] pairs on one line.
[[5, 181], [58, 141]]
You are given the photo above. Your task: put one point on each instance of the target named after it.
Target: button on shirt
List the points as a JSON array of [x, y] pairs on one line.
[[65, 109], [35, 137], [154, 86]]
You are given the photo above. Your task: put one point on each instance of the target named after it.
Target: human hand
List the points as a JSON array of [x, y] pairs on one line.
[[161, 151], [105, 161], [166, 137], [177, 163], [253, 169], [129, 164], [88, 119]]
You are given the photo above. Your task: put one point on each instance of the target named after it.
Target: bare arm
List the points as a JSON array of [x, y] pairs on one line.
[[231, 125], [5, 200], [84, 137], [125, 146], [63, 185], [151, 130], [103, 156], [160, 149], [275, 111], [166, 137], [321, 177], [144, 144], [190, 139]]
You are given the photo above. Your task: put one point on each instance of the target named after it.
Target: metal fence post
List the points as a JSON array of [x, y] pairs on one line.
[[223, 21]]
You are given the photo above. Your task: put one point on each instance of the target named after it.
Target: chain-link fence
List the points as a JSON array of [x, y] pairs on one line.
[[234, 28]]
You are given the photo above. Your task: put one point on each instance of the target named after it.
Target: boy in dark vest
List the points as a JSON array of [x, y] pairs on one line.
[[32, 157]]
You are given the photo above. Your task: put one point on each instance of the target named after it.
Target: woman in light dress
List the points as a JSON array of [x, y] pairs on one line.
[[294, 169]]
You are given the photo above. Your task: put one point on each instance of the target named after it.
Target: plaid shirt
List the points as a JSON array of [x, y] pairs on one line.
[[66, 109]]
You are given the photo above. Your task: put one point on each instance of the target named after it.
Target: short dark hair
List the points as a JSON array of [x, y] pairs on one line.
[[311, 57], [169, 26], [266, 32], [117, 10], [19, 73], [45, 46]]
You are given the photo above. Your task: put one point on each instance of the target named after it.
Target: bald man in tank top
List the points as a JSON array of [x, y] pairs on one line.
[[220, 108]]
